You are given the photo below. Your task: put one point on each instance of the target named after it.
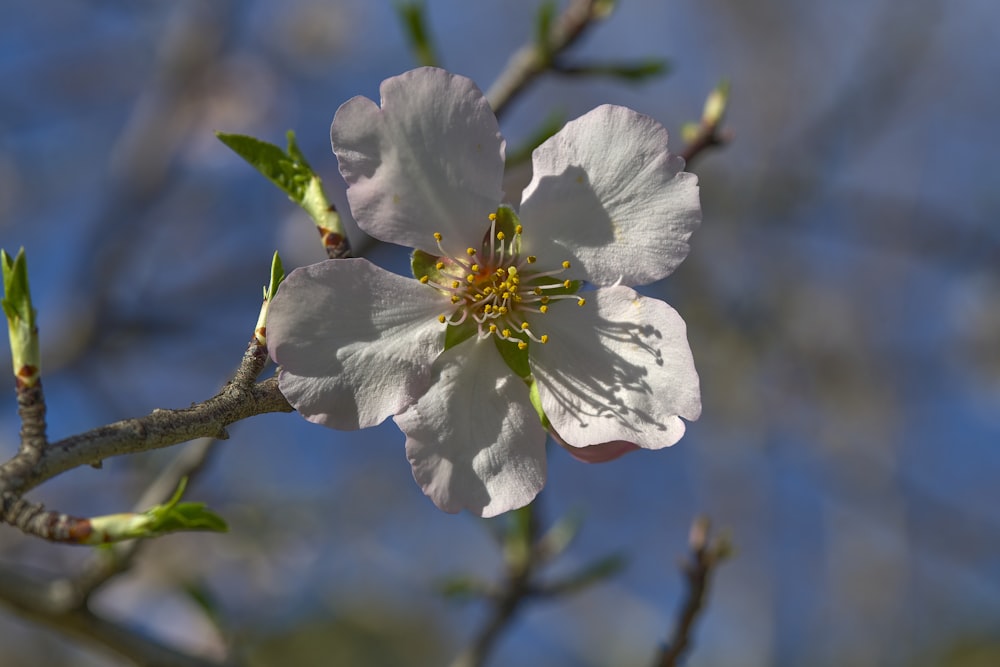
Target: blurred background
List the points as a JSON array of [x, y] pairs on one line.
[[842, 299]]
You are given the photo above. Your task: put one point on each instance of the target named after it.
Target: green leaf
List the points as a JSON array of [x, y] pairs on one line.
[[425, 264], [412, 15], [22, 328], [543, 28], [290, 171], [463, 588], [277, 275], [636, 72], [552, 124], [562, 533], [593, 573]]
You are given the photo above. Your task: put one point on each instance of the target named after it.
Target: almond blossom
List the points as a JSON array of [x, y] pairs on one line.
[[517, 324]]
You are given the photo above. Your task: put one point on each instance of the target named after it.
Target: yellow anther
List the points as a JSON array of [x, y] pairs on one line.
[[512, 271], [518, 229], [506, 333], [437, 236], [581, 302], [524, 326], [470, 251], [544, 309], [521, 345], [470, 278], [455, 298], [566, 284], [439, 266], [455, 284], [493, 328], [545, 299], [500, 236], [566, 264], [424, 279], [493, 216], [502, 310], [538, 292], [441, 319], [544, 338], [505, 295], [532, 259], [474, 267]]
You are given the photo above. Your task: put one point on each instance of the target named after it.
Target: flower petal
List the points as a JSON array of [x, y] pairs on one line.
[[608, 195], [473, 439], [602, 453], [618, 368], [430, 160], [355, 342]]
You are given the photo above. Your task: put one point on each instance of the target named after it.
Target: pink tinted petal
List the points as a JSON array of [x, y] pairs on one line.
[[473, 439], [602, 453], [355, 342], [607, 195], [617, 368], [430, 160]]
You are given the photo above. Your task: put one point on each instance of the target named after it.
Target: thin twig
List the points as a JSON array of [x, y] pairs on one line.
[[529, 61], [238, 400], [40, 602], [517, 588], [709, 136], [697, 573]]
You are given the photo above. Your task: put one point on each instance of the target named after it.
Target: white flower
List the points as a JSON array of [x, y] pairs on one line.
[[493, 344]]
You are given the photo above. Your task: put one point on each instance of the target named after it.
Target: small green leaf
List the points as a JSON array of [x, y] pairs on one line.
[[543, 29], [412, 15], [636, 72], [22, 328], [290, 171], [593, 573], [463, 588], [552, 124], [557, 538]]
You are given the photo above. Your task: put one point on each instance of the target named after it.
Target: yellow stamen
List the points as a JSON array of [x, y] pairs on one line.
[[424, 279], [522, 345], [566, 264], [441, 319], [581, 302], [544, 338]]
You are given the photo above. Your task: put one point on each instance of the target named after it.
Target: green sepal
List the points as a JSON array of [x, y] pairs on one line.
[[514, 357], [459, 333], [289, 170], [506, 222], [536, 402], [425, 264]]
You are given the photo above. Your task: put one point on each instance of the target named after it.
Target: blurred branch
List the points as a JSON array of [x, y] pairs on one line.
[[412, 15], [705, 557], [708, 132], [43, 603], [522, 562], [535, 58]]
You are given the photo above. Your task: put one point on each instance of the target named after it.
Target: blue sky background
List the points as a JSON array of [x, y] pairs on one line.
[[841, 298]]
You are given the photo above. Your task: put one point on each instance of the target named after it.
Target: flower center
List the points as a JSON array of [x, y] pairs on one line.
[[497, 288]]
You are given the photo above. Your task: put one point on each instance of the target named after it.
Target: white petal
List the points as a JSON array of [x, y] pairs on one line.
[[607, 195], [430, 160], [473, 439], [618, 368], [355, 342]]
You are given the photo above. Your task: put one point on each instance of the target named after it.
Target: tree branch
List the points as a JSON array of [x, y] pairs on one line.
[[41, 602], [697, 572], [529, 61]]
